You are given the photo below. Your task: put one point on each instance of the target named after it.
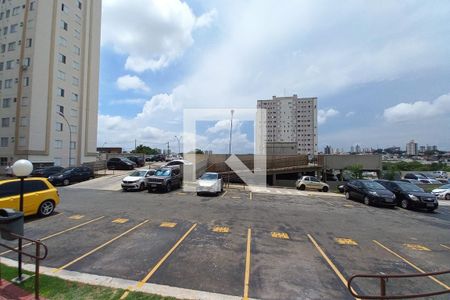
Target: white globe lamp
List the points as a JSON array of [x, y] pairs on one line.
[[22, 168]]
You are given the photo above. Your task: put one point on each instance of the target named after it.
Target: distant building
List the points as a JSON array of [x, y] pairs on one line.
[[422, 149], [292, 120], [328, 150], [412, 148], [115, 150], [352, 149], [358, 148]]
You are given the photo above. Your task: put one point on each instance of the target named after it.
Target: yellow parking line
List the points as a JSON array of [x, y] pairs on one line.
[[223, 195], [156, 267], [76, 217], [120, 221], [59, 233], [330, 263], [99, 247], [247, 264], [446, 247], [411, 264]]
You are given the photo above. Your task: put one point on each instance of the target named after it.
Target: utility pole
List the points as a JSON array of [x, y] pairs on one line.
[[135, 146], [179, 147], [231, 133], [168, 148]]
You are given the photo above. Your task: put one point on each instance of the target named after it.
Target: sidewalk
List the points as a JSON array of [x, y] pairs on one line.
[[9, 291]]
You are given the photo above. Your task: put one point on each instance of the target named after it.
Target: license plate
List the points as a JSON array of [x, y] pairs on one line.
[[430, 205], [388, 200], [153, 185]]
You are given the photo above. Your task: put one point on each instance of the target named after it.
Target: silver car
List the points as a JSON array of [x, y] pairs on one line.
[[137, 180], [210, 183]]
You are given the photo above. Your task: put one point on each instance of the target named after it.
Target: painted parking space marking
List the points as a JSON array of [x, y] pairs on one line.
[[99, 247], [279, 235], [411, 264], [223, 195], [76, 217], [156, 267], [348, 205], [168, 224], [58, 233], [120, 221], [235, 197], [416, 247], [44, 219], [247, 264], [330, 263], [446, 247], [221, 229], [250, 195], [345, 241]]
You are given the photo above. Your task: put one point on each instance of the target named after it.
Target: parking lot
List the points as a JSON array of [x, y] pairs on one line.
[[272, 244]]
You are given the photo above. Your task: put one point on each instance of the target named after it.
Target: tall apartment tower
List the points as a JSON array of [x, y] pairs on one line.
[[49, 75], [292, 120], [411, 148]]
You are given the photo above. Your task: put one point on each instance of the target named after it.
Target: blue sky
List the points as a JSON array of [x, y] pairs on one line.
[[380, 69]]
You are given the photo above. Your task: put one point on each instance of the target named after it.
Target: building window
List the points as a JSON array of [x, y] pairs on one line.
[[73, 145], [13, 28], [80, 4], [58, 144], [76, 50], [5, 122], [76, 65], [22, 142], [33, 5], [73, 113], [61, 58], [8, 83], [23, 121], [61, 75], [4, 142], [5, 30], [76, 34], [60, 109], [57, 161], [10, 65], [74, 97], [27, 62], [73, 128], [60, 92], [63, 24], [3, 161], [8, 12], [25, 101], [62, 42], [3, 48], [26, 81], [2, 65], [6, 102], [75, 81], [64, 8], [12, 46], [29, 43], [59, 126]]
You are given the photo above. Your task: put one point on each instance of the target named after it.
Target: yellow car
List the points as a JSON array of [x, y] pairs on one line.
[[40, 196]]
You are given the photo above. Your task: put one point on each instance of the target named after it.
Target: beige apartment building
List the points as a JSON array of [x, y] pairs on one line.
[[49, 75], [291, 120]]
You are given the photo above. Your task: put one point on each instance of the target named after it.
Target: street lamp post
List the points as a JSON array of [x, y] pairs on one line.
[[21, 168], [70, 137], [179, 147], [231, 132]]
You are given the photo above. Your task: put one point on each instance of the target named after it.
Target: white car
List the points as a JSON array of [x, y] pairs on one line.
[[442, 192], [178, 162], [211, 183], [312, 183], [137, 180]]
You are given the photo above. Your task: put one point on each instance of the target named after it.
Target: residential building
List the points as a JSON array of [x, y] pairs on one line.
[[328, 150], [49, 74], [412, 148], [292, 120]]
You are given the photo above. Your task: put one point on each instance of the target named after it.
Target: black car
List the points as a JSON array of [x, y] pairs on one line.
[[410, 195], [157, 157], [71, 174], [46, 172], [370, 192], [139, 161], [120, 163]]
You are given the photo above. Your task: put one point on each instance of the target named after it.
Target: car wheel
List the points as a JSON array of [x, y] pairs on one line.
[[46, 208], [66, 182], [366, 200], [302, 187], [347, 195], [125, 190], [198, 194], [168, 187], [447, 197], [142, 186], [404, 204], [325, 189]]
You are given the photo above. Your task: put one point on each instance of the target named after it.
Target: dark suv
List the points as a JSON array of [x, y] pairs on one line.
[[120, 163], [410, 195], [46, 172], [165, 179], [139, 161], [71, 174]]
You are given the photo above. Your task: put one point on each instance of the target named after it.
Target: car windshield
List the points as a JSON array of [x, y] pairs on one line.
[[68, 170], [409, 187], [163, 172], [138, 173], [209, 176], [373, 185], [419, 176]]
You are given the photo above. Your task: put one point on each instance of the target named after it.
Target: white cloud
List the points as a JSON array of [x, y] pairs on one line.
[[152, 33], [133, 101], [158, 102], [349, 114], [128, 82], [224, 125], [324, 115], [418, 110]]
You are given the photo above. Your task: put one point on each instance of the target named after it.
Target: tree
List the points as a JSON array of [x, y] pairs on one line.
[[356, 171], [145, 150]]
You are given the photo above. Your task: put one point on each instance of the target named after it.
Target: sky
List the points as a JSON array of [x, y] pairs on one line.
[[380, 69]]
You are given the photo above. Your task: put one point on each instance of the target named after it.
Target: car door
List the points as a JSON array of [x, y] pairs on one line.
[[315, 183], [35, 192], [358, 191], [9, 195]]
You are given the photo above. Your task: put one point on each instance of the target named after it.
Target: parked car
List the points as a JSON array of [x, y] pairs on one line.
[[120, 163], [139, 161], [40, 196], [312, 183], [430, 178], [178, 162], [71, 175], [413, 181], [410, 196], [341, 188], [330, 177], [46, 172], [369, 192], [442, 192], [165, 179], [440, 174], [418, 177], [157, 157], [169, 158], [137, 180], [210, 183]]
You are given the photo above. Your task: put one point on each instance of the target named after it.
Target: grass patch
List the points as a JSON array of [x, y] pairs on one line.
[[60, 289]]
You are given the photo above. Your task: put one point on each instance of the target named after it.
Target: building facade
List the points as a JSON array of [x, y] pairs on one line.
[[412, 148], [292, 120], [49, 75]]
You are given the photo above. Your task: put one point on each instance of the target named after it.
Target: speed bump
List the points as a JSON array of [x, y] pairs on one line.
[[416, 247], [221, 229], [76, 217], [120, 221], [168, 224], [346, 241], [280, 235]]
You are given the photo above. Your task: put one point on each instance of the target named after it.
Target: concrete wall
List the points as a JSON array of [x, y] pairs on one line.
[[340, 162]]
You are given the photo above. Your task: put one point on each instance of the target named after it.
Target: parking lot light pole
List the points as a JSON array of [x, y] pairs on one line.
[[179, 147], [21, 168], [70, 137]]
